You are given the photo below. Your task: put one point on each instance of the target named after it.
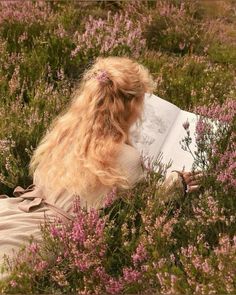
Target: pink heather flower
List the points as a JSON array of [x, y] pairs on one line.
[[33, 248], [224, 113], [41, 266], [131, 275], [14, 83], [78, 233], [205, 267], [110, 197], [201, 129], [114, 286], [29, 12], [168, 227], [223, 116], [186, 125], [106, 35], [173, 279], [160, 278], [92, 218], [13, 283], [82, 264], [140, 254], [225, 170], [100, 228], [54, 232], [234, 240], [101, 273]]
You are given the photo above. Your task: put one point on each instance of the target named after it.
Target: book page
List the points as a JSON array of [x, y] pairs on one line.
[[158, 117], [172, 149]]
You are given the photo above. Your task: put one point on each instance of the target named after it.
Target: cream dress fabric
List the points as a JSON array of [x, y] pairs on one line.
[[20, 217]]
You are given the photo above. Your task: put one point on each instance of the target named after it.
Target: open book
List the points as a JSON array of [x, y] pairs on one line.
[[161, 131]]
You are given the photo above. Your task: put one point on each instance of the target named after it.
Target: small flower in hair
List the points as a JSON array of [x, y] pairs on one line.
[[102, 76]]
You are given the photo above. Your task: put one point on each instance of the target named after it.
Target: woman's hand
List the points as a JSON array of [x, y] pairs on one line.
[[192, 180]]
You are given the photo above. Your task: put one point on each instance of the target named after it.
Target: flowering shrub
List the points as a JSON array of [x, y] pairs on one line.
[[216, 143], [204, 271], [22, 126], [175, 28], [118, 34], [138, 243], [12, 11]]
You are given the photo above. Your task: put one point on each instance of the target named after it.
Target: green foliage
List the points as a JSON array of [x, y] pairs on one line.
[[175, 28], [22, 125], [223, 54], [190, 80]]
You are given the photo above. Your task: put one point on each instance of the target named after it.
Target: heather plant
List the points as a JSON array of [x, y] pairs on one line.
[[215, 156], [22, 126], [37, 40], [12, 11], [215, 140], [35, 52], [184, 27], [175, 28], [141, 241], [118, 34], [222, 48]]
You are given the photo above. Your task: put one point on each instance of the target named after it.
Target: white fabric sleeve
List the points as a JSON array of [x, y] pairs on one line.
[[130, 165]]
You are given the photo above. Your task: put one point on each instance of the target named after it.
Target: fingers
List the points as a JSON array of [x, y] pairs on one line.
[[192, 180]]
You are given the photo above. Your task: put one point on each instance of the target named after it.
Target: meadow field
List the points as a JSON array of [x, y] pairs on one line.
[[142, 243]]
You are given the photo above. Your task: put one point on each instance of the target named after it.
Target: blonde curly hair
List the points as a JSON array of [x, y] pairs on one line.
[[79, 150]]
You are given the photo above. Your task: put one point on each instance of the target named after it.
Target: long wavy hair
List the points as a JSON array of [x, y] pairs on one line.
[[80, 148]]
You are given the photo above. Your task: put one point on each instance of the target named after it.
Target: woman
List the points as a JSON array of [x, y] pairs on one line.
[[85, 153]]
